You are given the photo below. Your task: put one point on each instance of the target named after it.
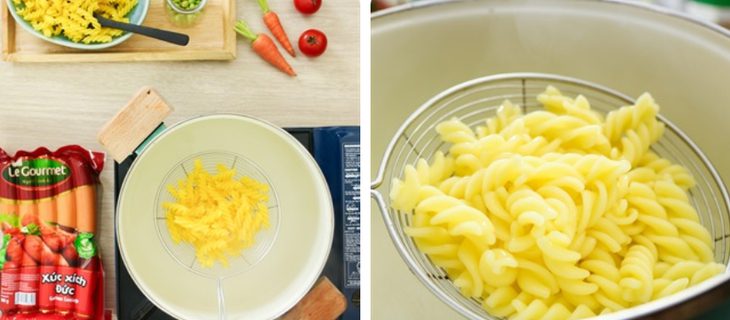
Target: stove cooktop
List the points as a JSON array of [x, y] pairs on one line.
[[342, 172]]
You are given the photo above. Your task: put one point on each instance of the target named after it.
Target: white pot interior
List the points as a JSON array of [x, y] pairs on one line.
[[419, 52]]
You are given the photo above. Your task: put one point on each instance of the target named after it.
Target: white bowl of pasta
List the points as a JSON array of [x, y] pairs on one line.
[[72, 23], [537, 195]]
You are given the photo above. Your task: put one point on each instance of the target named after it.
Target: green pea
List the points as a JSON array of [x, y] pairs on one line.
[[181, 18]]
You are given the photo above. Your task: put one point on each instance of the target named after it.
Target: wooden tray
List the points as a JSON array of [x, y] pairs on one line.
[[212, 38]]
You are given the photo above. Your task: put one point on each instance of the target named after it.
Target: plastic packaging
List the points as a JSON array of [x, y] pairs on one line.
[[49, 263]]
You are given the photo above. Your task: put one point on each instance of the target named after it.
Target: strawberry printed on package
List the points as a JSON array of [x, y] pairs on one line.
[[49, 260]]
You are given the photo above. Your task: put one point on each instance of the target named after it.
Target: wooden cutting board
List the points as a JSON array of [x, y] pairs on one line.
[[211, 38]]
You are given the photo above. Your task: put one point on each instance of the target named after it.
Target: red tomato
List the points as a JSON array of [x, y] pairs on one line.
[[312, 43], [307, 6]]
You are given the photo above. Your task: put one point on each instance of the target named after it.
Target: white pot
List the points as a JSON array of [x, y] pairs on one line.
[[426, 47]]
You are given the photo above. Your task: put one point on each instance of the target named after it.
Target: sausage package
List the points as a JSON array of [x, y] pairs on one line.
[[49, 261]]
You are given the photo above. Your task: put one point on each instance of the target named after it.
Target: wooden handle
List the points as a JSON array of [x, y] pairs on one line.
[[323, 302], [134, 123]]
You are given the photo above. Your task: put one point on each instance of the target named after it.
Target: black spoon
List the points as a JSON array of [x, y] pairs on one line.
[[169, 36]]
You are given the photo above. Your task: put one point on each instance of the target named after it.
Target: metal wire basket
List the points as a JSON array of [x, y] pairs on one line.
[[184, 254], [474, 101]]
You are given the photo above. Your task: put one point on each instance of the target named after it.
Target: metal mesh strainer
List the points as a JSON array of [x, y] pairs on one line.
[[474, 101], [184, 253]]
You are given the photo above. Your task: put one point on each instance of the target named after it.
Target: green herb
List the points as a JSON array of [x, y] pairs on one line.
[[3, 250], [85, 245], [11, 219], [31, 229]]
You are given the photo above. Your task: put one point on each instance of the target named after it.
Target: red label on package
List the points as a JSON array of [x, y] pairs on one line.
[[84, 291], [49, 262], [25, 298], [9, 281], [46, 290]]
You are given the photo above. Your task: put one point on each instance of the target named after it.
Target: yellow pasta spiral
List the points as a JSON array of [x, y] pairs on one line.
[[559, 213], [217, 214], [74, 19]]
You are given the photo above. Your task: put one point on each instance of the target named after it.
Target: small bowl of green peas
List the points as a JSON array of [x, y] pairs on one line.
[[185, 13]]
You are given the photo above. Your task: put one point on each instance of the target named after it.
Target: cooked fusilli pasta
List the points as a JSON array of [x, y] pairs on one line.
[[559, 213], [74, 19], [217, 214]]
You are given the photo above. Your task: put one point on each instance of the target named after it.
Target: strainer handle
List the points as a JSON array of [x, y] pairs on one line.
[[378, 197], [133, 125]]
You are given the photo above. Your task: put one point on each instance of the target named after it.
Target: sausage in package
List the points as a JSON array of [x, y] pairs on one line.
[[49, 263]]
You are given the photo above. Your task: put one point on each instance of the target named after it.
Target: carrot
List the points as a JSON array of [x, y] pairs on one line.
[[271, 19], [265, 48]]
